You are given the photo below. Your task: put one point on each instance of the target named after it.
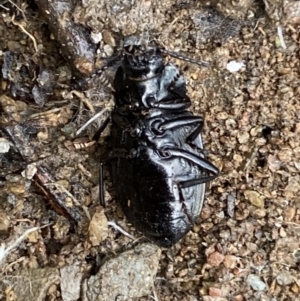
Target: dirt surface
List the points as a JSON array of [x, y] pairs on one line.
[[246, 244]]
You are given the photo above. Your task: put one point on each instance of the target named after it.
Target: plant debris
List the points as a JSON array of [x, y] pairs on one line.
[[246, 244]]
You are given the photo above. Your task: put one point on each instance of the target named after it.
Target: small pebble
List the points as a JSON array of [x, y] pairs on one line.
[[234, 66], [255, 282], [255, 198], [4, 145]]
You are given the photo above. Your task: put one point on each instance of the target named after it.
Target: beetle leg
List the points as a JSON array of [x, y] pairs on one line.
[[114, 154], [200, 161], [197, 181], [193, 136], [101, 184], [173, 82], [186, 121], [183, 121], [171, 104]]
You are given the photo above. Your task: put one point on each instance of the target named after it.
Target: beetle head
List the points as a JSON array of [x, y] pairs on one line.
[[142, 63]]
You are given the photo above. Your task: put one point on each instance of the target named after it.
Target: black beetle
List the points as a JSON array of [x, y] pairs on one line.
[[155, 149]]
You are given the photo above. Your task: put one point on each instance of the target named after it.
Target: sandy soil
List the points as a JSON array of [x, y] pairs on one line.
[[246, 244]]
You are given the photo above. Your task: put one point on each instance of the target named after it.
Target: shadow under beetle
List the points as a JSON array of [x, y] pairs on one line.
[[155, 150]]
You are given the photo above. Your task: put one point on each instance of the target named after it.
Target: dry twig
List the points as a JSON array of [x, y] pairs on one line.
[[26, 32], [5, 250]]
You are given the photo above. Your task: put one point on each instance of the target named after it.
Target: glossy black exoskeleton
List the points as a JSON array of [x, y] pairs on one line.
[[155, 149]]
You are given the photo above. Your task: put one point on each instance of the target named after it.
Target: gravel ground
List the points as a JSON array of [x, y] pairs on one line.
[[58, 243]]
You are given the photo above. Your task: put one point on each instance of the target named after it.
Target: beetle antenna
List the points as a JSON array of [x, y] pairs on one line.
[[184, 58]]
